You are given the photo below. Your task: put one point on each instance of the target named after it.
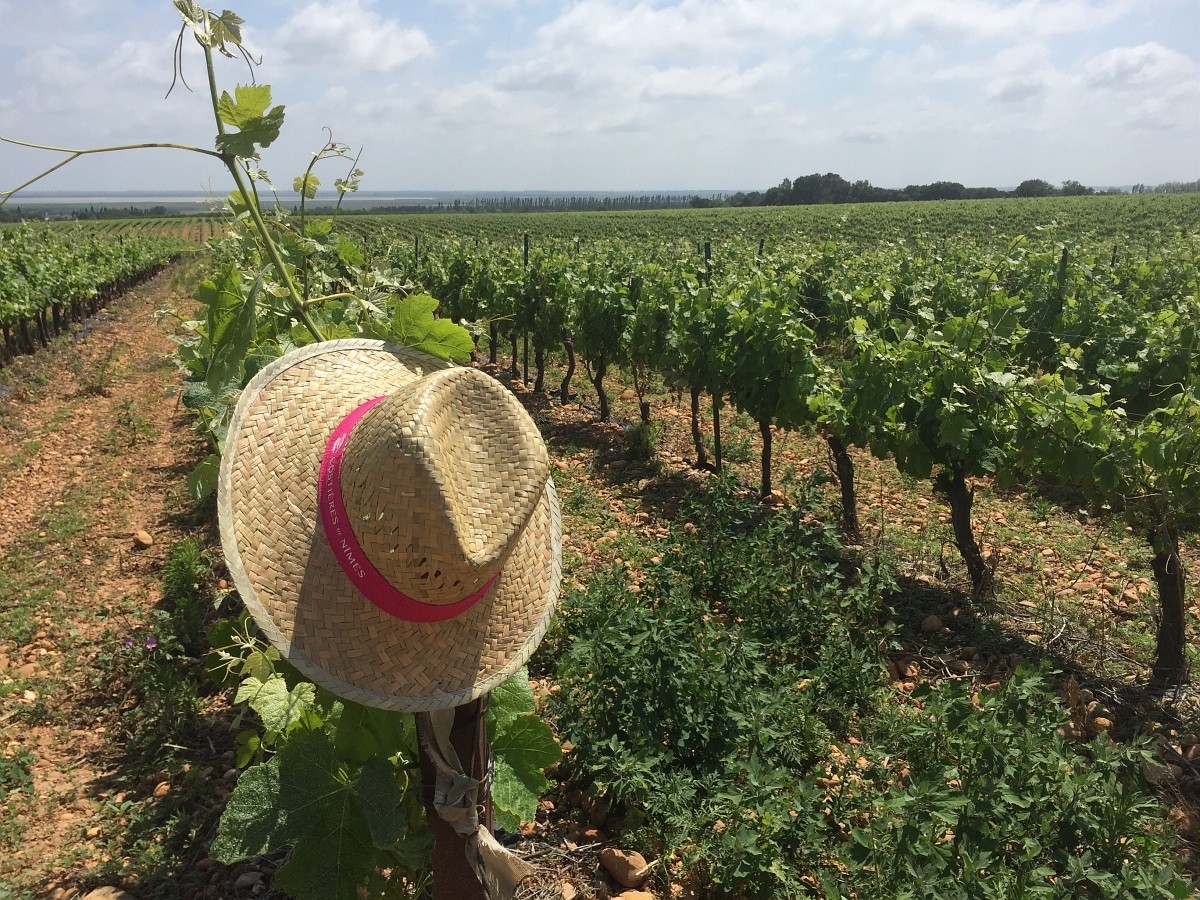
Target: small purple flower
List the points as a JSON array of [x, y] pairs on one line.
[[128, 645], [151, 642]]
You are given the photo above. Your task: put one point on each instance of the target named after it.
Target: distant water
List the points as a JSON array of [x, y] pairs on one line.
[[198, 203]]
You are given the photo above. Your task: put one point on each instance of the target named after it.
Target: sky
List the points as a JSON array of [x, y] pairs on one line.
[[623, 95]]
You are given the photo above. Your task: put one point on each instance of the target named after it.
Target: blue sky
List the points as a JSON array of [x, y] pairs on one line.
[[622, 95]]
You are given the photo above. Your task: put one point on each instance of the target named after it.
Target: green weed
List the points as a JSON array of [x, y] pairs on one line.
[[131, 428], [187, 587], [98, 380], [16, 772], [742, 732], [641, 440]]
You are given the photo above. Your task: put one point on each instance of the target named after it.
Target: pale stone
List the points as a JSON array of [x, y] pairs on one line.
[[108, 893], [627, 867]]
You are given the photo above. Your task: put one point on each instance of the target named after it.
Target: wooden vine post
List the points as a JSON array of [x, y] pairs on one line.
[[453, 876]]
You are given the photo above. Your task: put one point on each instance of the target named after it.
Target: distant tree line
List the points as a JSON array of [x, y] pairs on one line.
[[1168, 187], [561, 203], [833, 188]]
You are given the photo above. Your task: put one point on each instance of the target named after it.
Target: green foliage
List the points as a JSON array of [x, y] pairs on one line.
[[709, 696], [248, 112], [412, 324], [640, 442], [16, 772], [69, 271], [342, 822], [306, 185], [732, 710], [187, 588], [159, 677], [998, 805], [338, 782]]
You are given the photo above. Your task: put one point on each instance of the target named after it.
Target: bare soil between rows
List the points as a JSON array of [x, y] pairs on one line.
[[95, 446]]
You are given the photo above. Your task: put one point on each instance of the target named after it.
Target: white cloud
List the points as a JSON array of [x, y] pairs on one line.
[[864, 136], [660, 93], [701, 82], [348, 34], [1017, 90], [988, 18], [1130, 68], [536, 75], [142, 62], [692, 26], [56, 68]]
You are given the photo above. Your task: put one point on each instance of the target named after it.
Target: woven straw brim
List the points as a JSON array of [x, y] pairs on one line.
[[289, 579]]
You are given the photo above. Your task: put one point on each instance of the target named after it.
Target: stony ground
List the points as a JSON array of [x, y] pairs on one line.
[[94, 450]]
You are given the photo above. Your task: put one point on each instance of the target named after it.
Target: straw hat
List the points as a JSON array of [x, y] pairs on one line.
[[390, 522]]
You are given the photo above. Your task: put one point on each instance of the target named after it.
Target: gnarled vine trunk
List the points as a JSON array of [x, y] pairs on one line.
[[697, 438], [960, 497], [843, 467], [539, 361], [1170, 663], [493, 341], [598, 383], [564, 390], [643, 403], [764, 428], [718, 459]]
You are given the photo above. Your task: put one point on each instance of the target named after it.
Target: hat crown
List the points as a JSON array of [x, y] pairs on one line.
[[438, 481]]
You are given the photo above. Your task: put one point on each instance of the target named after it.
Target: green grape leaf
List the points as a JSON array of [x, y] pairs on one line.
[[247, 106], [349, 253], [522, 750], [306, 185], [196, 395], [510, 700], [230, 348], [248, 113], [382, 802], [1003, 379], [222, 299], [202, 480], [412, 317], [254, 821], [515, 795], [413, 325], [448, 341], [260, 664], [362, 733], [249, 744], [527, 742], [226, 29], [278, 707], [212, 30], [191, 13], [323, 864], [318, 227], [353, 738], [336, 825]]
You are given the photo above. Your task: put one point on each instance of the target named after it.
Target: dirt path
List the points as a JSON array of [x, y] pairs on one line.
[[94, 448]]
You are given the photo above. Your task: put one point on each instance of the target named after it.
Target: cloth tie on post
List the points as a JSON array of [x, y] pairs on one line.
[[457, 799]]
